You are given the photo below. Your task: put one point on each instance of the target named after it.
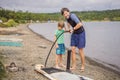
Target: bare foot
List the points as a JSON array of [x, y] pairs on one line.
[[82, 69], [62, 65], [57, 67]]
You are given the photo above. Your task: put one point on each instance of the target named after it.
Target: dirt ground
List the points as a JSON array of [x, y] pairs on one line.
[[34, 51]]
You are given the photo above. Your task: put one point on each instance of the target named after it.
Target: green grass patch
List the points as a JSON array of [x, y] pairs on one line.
[[10, 23], [2, 71]]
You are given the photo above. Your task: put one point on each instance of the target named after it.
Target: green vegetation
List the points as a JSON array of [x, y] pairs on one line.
[[2, 71], [24, 17], [10, 23], [107, 15]]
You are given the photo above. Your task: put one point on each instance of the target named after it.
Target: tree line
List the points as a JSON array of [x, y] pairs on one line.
[[23, 17], [106, 15]]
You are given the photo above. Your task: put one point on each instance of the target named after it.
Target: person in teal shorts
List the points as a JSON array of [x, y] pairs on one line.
[[60, 47]]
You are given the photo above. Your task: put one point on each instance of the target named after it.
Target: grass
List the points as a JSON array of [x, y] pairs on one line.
[[2, 69]]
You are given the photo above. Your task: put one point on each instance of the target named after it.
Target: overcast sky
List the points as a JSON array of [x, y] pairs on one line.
[[56, 5]]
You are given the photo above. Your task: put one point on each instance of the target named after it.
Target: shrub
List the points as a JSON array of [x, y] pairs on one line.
[[4, 19], [116, 18], [2, 25], [11, 23], [22, 21], [2, 71]]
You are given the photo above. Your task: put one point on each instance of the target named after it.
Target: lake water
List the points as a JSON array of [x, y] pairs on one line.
[[102, 40]]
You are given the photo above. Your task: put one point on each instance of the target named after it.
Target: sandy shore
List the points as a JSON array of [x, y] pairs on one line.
[[34, 51]]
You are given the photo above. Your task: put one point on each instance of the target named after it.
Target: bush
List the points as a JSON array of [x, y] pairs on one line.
[[11, 23], [2, 25], [22, 21], [2, 71], [116, 18], [4, 19]]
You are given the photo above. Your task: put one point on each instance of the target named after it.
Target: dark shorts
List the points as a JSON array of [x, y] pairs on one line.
[[78, 40], [60, 49]]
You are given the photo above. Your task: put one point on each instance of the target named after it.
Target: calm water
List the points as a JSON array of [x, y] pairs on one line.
[[103, 40]]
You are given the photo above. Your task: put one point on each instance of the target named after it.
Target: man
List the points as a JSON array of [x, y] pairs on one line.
[[77, 37]]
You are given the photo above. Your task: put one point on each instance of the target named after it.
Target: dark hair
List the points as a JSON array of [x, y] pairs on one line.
[[64, 9]]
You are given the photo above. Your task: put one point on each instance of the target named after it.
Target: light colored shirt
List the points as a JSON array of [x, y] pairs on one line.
[[61, 38]]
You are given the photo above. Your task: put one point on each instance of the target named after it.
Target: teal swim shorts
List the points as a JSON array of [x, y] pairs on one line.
[[60, 49]]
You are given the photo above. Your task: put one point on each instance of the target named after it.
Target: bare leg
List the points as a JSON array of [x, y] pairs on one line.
[[81, 51], [61, 64], [73, 57], [57, 61], [60, 58]]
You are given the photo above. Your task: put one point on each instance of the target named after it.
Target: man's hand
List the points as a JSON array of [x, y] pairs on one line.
[[71, 31]]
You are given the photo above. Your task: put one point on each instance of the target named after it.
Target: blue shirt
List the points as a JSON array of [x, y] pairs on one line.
[[73, 21], [74, 18]]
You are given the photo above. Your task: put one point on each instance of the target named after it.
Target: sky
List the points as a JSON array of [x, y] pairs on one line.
[[49, 6]]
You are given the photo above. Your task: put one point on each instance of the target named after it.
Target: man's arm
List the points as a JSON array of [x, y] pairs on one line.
[[77, 21], [68, 25], [78, 26], [68, 28]]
